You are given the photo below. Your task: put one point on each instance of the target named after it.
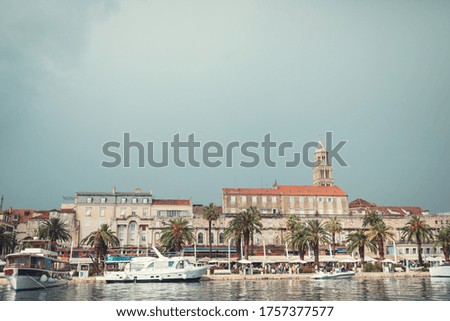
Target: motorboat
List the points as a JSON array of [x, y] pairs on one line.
[[440, 270], [337, 274], [156, 269], [36, 268]]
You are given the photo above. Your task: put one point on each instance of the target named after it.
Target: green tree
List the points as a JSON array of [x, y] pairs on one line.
[[211, 214], [360, 240], [316, 233], [291, 225], [7, 241], [176, 234], [378, 232], [333, 226], [55, 230], [443, 240], [418, 230], [101, 240], [297, 239], [245, 224]]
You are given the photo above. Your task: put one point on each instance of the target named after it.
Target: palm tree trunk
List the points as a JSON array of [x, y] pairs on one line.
[[381, 248], [361, 254], [419, 250], [316, 254], [333, 246], [301, 252], [209, 236], [447, 253], [246, 244]]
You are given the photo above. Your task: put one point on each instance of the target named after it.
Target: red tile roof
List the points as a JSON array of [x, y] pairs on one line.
[[287, 190], [171, 202], [360, 206]]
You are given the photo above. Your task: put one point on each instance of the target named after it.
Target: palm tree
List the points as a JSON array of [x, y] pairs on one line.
[[210, 213], [443, 240], [297, 239], [360, 240], [7, 241], [420, 231], [245, 224], [291, 225], [55, 230], [101, 240], [315, 233], [378, 231], [371, 219], [177, 234], [333, 226]]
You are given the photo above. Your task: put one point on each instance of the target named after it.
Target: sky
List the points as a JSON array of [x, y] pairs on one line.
[[77, 74]]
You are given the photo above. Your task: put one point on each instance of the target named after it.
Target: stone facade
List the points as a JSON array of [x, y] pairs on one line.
[[135, 217]]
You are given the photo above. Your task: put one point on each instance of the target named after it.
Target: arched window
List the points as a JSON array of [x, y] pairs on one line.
[[200, 238], [132, 230], [221, 238]]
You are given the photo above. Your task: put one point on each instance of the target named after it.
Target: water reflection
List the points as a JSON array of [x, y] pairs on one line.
[[263, 290]]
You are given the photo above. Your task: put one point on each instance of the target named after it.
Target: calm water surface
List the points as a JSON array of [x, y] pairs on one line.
[[262, 290]]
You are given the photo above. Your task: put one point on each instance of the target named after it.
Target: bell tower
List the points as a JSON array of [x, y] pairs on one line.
[[322, 172]]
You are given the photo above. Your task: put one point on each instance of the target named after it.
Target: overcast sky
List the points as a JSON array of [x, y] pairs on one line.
[[76, 74]]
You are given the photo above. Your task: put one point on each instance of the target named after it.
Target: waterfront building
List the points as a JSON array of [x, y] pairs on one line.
[[26, 221], [136, 217]]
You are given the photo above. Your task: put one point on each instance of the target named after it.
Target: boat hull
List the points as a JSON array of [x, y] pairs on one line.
[[440, 271], [25, 279], [337, 275], [191, 275]]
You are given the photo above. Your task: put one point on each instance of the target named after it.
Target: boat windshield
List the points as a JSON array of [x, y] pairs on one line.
[[18, 261]]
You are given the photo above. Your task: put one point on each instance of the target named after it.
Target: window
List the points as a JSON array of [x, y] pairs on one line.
[[200, 238], [264, 199], [292, 199], [221, 238], [122, 212], [134, 200], [144, 212], [16, 217], [254, 199], [407, 251], [89, 199], [144, 238], [233, 199], [103, 200], [123, 200], [320, 199], [414, 250], [145, 200], [274, 199], [310, 199], [233, 210], [133, 212], [86, 223], [330, 200], [102, 212], [244, 199], [88, 211]]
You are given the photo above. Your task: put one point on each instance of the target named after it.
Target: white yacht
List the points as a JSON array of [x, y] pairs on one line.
[[333, 275], [440, 270], [36, 268], [160, 269]]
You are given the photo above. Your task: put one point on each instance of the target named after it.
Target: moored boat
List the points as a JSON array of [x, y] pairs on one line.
[[440, 270], [152, 269], [333, 275], [36, 268]]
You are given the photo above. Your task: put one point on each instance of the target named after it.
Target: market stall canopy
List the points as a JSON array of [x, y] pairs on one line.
[[297, 260], [244, 261]]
